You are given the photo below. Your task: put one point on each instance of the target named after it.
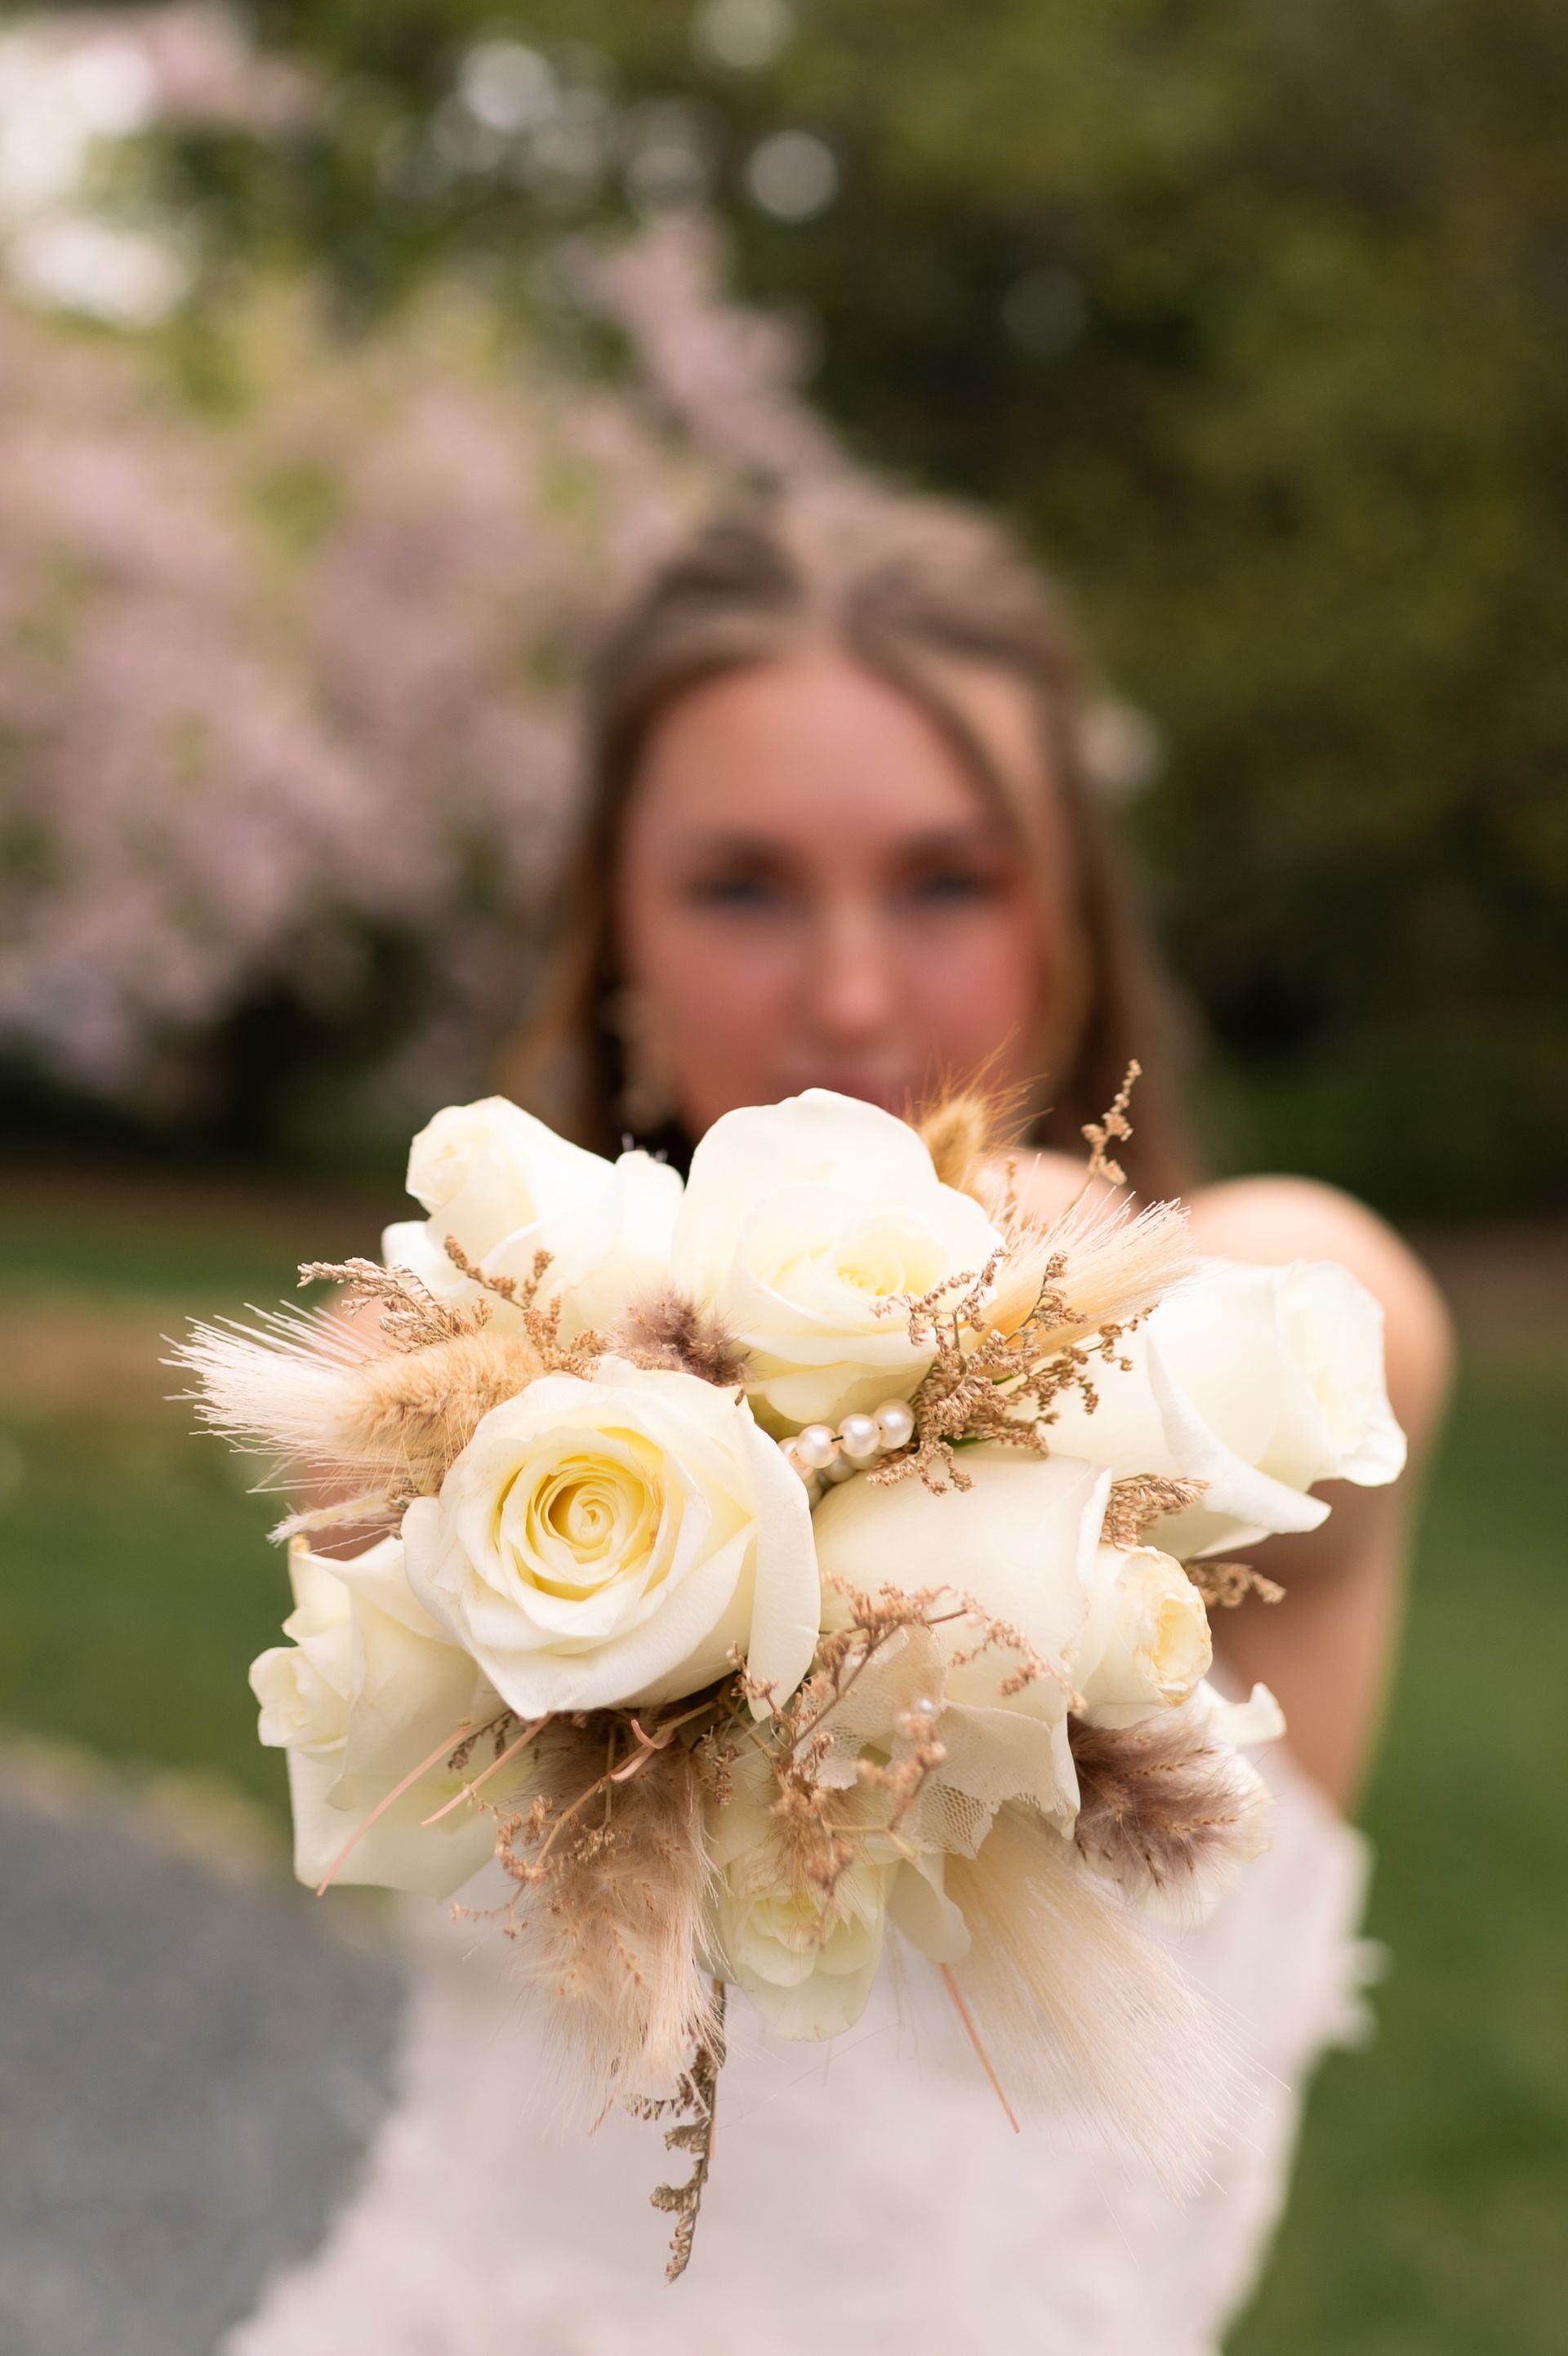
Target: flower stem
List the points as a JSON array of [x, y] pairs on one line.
[[974, 2036]]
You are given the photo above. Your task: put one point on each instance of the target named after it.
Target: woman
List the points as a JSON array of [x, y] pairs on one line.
[[843, 832]]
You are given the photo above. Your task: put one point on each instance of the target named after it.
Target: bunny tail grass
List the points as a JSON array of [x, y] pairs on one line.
[[314, 1391], [1072, 1994], [607, 1923], [1101, 1264], [962, 1133]]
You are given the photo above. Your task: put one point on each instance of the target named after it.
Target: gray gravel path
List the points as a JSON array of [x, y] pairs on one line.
[[191, 2063]]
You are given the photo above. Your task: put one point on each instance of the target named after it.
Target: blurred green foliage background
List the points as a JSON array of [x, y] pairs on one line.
[[1255, 317]]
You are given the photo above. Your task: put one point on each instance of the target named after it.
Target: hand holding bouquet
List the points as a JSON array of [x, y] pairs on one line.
[[816, 1551]]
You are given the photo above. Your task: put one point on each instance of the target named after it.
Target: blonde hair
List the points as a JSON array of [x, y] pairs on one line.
[[909, 587]]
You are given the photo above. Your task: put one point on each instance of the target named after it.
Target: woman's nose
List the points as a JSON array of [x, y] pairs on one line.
[[852, 983]]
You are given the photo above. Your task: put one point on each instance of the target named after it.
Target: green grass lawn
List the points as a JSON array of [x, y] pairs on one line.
[[138, 1580], [1431, 2210], [1430, 2213]]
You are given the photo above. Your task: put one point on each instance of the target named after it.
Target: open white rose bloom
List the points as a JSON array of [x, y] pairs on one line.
[[811, 1558]]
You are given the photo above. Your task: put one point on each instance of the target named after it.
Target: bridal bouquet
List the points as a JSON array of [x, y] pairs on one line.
[[817, 1551]]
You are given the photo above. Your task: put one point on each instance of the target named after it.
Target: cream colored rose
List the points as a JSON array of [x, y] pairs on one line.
[[893, 1705], [809, 1977], [507, 1188], [805, 1959], [1261, 1381], [801, 1222], [367, 1688], [1145, 1644], [1243, 1724], [1022, 1541], [610, 1541]]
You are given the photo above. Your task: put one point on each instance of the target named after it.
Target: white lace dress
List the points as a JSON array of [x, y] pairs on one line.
[[868, 2198]]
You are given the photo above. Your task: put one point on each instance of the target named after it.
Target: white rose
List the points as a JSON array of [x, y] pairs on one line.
[[305, 1686], [1261, 1381], [505, 1188], [1145, 1644], [610, 1541], [1243, 1724], [808, 1976], [367, 1689], [896, 1701], [1022, 1542], [799, 1221], [807, 1960]]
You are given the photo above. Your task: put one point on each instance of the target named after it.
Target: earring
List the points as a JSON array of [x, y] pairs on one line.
[[647, 1100]]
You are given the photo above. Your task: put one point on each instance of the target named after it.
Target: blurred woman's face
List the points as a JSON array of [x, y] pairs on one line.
[[815, 892]]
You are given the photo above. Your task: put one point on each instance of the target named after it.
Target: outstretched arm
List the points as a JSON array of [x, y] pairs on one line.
[[1325, 1651]]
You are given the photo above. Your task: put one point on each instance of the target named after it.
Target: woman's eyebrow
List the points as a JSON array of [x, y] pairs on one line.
[[983, 833], [729, 842], [969, 835]]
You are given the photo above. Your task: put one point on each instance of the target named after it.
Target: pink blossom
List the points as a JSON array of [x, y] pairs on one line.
[[272, 682]]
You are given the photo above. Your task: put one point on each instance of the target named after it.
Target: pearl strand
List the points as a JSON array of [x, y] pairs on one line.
[[822, 1456]]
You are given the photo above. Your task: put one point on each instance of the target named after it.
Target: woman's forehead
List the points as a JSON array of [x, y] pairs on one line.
[[772, 746]]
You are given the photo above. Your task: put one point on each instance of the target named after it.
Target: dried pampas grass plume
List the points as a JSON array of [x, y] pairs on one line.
[[612, 1877], [670, 1331], [962, 1134], [1166, 1811], [1073, 1996], [314, 1391]]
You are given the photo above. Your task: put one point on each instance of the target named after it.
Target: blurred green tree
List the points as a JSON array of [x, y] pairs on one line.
[[1254, 315]]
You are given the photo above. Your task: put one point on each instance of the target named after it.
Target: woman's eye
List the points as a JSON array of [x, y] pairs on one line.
[[739, 892], [946, 887]]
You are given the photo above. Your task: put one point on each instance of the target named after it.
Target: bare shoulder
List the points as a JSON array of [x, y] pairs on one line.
[[1278, 1219], [1300, 1218]]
